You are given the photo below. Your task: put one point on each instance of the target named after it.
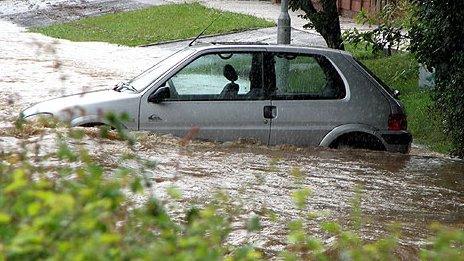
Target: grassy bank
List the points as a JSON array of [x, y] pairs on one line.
[[400, 71], [153, 25]]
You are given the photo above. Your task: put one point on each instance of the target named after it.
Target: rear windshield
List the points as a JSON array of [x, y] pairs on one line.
[[384, 85]]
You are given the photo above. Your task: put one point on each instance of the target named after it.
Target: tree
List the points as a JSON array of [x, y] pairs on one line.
[[436, 40], [391, 25], [325, 21]]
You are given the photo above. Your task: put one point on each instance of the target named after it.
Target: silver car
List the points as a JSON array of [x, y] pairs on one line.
[[275, 94]]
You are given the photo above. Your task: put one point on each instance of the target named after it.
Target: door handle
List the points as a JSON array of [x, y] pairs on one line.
[[269, 112]]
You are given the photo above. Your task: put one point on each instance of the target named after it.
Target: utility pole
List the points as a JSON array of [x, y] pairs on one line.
[[283, 24], [282, 65]]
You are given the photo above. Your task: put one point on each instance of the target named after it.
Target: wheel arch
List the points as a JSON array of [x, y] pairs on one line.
[[90, 121], [347, 129]]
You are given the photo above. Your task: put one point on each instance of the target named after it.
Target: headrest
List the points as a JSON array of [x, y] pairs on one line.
[[230, 73]]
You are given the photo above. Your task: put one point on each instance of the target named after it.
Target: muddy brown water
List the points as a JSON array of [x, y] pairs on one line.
[[414, 190]]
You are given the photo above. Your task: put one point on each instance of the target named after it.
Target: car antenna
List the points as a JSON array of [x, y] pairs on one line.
[[204, 30]]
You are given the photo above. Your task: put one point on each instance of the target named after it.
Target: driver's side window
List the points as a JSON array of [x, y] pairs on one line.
[[218, 76]]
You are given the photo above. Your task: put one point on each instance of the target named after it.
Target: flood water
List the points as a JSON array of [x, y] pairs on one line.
[[413, 190]]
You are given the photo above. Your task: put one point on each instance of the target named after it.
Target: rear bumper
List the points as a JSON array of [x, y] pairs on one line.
[[397, 141]]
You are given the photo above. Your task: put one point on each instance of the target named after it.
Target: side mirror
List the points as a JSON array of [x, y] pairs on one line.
[[396, 94], [160, 95]]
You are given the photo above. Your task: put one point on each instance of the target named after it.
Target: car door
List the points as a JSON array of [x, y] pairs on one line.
[[309, 99], [220, 94]]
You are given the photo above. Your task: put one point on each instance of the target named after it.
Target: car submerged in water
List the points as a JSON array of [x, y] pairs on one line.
[[275, 94]]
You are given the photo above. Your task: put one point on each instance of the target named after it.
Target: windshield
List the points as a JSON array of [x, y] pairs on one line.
[[147, 77]]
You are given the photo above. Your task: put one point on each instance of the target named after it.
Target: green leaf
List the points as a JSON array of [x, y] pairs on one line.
[[253, 224], [19, 181], [136, 185], [300, 197], [331, 227], [34, 208], [4, 218], [174, 192]]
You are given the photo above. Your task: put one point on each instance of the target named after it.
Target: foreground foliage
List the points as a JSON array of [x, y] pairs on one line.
[[64, 205], [436, 40], [153, 25]]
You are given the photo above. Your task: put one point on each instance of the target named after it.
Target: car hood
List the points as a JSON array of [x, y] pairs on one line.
[[83, 102]]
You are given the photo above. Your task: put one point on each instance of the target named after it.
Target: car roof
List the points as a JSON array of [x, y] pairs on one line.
[[259, 46]]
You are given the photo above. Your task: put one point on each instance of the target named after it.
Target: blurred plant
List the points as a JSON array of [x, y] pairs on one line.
[[447, 244], [347, 245], [398, 13], [391, 23], [76, 209]]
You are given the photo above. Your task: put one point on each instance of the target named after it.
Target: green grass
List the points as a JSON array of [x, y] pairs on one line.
[[153, 25], [400, 71]]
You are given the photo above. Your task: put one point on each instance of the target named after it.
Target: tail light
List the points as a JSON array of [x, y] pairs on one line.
[[397, 122]]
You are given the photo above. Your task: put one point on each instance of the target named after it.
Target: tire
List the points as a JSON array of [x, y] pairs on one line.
[[358, 140]]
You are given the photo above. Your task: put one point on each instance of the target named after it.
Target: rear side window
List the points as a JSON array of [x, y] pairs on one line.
[[384, 85], [301, 76]]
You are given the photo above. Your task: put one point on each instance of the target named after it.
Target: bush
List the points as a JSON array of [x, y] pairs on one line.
[[436, 40], [64, 205]]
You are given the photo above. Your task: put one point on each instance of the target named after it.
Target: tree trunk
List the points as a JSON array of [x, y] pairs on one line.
[[325, 21], [329, 26], [332, 35]]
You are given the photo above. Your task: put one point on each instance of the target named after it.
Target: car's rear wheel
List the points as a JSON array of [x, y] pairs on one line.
[[358, 140]]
